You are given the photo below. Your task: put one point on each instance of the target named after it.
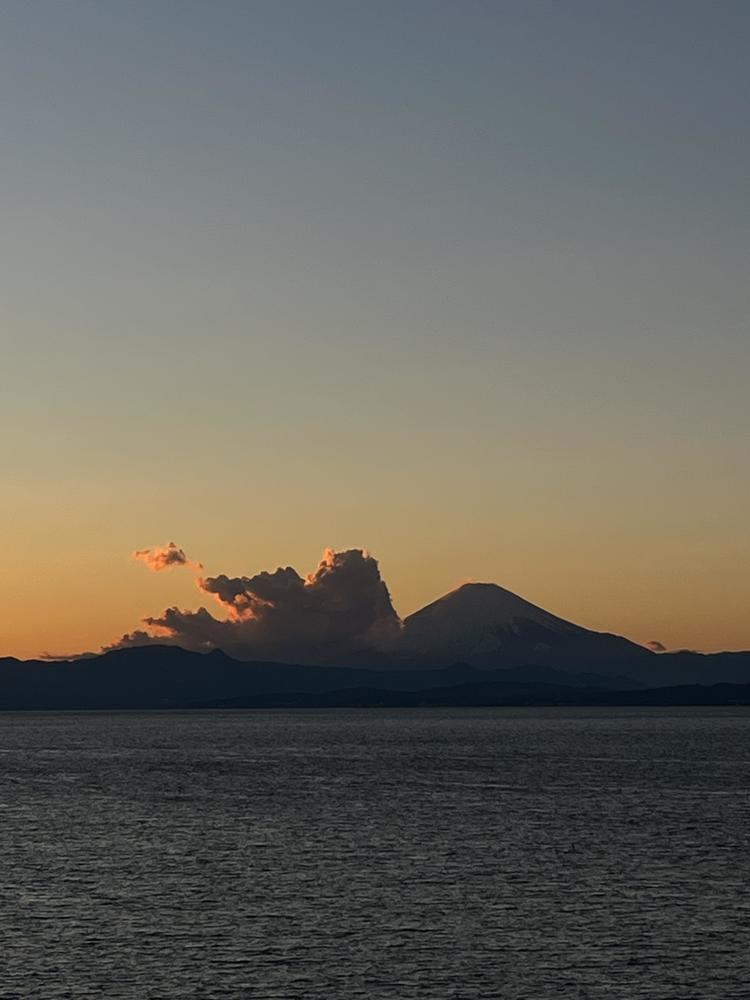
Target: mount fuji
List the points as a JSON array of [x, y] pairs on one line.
[[487, 626]]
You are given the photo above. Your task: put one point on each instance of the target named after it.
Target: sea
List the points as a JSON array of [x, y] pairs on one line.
[[316, 855]]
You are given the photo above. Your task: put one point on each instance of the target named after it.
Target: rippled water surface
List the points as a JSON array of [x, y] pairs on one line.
[[452, 854]]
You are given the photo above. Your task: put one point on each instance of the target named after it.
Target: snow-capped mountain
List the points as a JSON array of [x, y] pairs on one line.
[[486, 625]]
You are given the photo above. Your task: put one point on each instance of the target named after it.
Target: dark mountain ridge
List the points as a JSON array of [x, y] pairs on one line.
[[170, 677], [495, 695]]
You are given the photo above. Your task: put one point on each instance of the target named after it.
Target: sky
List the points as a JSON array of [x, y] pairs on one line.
[[465, 284]]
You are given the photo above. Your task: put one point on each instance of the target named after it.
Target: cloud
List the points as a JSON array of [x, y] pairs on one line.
[[165, 558], [342, 607], [656, 646], [53, 657]]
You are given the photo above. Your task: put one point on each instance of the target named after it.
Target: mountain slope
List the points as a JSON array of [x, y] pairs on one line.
[[486, 625]]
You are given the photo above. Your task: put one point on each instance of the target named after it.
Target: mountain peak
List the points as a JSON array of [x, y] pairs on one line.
[[485, 603], [484, 623], [477, 587]]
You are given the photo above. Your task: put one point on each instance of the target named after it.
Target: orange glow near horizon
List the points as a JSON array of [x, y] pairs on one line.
[[647, 609], [470, 291]]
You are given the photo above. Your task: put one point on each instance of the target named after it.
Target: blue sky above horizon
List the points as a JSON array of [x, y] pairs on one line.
[[465, 284]]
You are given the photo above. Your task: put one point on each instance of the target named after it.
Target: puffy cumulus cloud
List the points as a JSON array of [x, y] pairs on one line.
[[656, 646], [164, 558], [343, 607]]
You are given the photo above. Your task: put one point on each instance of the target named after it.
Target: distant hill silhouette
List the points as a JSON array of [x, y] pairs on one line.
[[162, 677], [495, 695]]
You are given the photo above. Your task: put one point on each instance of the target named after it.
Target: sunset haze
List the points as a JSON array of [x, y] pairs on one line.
[[462, 284]]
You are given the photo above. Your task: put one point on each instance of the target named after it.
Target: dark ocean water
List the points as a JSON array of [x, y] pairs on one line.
[[436, 854]]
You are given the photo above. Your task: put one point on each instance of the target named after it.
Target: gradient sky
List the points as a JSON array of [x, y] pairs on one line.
[[463, 283]]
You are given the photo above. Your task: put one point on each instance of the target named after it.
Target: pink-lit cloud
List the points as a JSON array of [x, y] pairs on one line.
[[166, 557]]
